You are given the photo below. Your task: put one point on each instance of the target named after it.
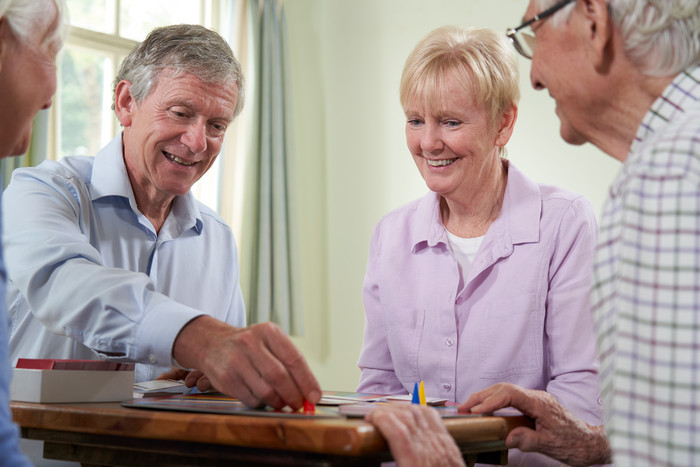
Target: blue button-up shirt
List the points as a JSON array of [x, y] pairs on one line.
[[89, 275], [9, 432]]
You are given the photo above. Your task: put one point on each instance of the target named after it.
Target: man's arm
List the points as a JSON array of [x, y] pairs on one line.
[[557, 433], [258, 364], [64, 281]]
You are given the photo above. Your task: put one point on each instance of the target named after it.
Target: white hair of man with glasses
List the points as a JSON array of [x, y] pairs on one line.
[[31, 34], [625, 75]]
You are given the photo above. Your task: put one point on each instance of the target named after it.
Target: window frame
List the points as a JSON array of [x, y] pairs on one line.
[[115, 47]]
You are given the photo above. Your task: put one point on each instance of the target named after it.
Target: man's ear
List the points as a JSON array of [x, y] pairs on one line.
[[598, 29], [124, 103], [506, 125]]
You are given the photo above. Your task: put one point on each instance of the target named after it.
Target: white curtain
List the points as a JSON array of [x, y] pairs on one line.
[[257, 189]]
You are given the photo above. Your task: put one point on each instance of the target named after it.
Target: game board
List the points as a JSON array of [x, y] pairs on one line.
[[222, 404]]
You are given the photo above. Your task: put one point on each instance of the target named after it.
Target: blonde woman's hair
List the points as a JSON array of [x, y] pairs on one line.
[[482, 60]]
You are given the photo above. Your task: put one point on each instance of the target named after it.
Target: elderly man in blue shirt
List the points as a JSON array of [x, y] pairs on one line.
[[112, 257]]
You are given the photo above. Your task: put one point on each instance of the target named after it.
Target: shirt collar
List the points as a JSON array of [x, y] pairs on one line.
[[682, 92], [517, 223], [109, 178], [522, 209], [429, 229]]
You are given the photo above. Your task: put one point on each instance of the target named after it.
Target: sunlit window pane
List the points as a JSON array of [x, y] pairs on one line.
[[97, 15], [85, 121], [137, 17]]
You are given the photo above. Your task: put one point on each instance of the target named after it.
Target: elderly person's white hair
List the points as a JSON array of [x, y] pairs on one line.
[[662, 37], [26, 17], [183, 48]]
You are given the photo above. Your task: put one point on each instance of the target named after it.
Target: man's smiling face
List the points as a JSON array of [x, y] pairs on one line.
[[173, 136]]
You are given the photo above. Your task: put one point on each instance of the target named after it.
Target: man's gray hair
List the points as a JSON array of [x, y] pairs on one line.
[[184, 48], [662, 37], [26, 17]]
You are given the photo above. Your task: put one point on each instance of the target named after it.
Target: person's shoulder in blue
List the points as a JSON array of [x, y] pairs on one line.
[[31, 34]]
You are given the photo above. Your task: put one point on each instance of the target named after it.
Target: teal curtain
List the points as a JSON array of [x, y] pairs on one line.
[[38, 149], [273, 285]]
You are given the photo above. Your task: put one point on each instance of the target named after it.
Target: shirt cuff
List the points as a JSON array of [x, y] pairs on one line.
[[158, 331]]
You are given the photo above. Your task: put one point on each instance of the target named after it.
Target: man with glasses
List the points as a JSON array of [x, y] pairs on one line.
[[625, 75]]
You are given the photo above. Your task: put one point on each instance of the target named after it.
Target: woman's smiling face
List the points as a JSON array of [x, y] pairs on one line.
[[450, 138]]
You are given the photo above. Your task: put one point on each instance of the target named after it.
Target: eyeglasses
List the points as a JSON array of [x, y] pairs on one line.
[[523, 42]]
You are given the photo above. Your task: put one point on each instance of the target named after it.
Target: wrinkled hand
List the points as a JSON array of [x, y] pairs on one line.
[[416, 436], [558, 433], [175, 374], [190, 377], [258, 364]]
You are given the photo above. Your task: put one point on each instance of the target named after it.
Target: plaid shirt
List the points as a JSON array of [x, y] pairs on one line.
[[646, 294]]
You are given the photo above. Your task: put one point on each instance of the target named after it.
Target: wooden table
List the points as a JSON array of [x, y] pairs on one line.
[[109, 434]]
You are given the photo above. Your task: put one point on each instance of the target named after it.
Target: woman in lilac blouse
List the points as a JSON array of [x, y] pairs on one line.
[[486, 278]]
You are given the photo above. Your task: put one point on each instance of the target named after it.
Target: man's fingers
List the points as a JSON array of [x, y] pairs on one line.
[[492, 398], [533, 403], [262, 371], [245, 378], [247, 397], [256, 364], [192, 377], [264, 392], [521, 438], [173, 373], [203, 384], [501, 395], [394, 429], [425, 418], [297, 378], [275, 381], [403, 426]]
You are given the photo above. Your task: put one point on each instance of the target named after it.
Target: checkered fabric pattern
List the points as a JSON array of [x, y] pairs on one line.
[[646, 293]]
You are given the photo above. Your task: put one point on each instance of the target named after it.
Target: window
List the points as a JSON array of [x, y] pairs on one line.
[[102, 34], [132, 19]]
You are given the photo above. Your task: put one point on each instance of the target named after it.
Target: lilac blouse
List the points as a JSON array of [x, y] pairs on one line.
[[522, 316]]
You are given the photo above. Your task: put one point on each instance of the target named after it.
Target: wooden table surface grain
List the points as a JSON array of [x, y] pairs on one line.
[[327, 436]]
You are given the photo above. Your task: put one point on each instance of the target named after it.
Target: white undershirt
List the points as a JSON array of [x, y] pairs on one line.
[[464, 251]]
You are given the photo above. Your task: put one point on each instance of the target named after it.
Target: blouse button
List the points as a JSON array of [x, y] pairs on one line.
[[459, 300], [447, 387], [449, 341]]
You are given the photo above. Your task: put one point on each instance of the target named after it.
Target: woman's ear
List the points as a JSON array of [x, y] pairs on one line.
[[506, 125], [124, 103]]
